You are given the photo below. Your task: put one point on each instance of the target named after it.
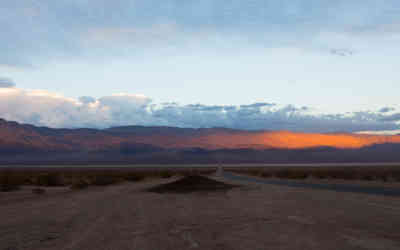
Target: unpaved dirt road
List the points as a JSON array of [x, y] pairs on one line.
[[254, 216]]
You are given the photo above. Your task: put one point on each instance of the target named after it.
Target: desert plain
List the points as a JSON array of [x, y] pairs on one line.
[[248, 216]]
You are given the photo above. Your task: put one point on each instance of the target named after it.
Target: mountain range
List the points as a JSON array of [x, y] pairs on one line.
[[28, 144]]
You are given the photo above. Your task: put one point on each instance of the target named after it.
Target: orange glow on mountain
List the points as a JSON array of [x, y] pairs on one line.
[[303, 140], [14, 135], [279, 139]]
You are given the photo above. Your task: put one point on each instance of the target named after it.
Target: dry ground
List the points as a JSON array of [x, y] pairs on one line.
[[254, 216]]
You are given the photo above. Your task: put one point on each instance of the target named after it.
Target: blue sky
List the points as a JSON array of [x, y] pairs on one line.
[[323, 62]]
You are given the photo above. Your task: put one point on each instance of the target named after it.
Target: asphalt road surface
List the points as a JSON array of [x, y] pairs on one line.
[[325, 186]]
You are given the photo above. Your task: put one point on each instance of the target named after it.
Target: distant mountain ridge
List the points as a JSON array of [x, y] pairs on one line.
[[24, 143]]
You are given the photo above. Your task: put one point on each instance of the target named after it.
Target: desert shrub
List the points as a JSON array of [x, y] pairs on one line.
[[266, 174], [376, 173], [389, 178], [298, 175], [256, 173], [134, 177], [385, 178], [283, 174], [291, 174], [78, 184], [49, 180], [166, 174], [334, 175], [395, 176], [103, 180], [344, 175], [9, 183], [319, 175], [191, 172], [38, 191], [367, 178]]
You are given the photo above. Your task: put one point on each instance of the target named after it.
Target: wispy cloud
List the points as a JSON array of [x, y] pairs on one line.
[[35, 31]]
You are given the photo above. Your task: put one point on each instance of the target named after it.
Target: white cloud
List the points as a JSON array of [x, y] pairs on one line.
[[383, 132], [43, 108], [87, 99], [40, 107]]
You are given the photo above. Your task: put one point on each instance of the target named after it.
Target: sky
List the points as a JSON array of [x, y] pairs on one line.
[[312, 66]]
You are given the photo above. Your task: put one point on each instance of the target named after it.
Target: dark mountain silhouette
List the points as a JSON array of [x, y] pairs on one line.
[[25, 144]]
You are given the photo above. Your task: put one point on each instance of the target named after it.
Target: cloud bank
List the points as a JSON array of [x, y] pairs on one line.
[[44, 108]]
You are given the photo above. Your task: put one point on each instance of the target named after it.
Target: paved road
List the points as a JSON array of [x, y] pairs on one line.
[[325, 186]]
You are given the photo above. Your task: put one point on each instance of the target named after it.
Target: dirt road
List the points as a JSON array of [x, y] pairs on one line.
[[254, 216]]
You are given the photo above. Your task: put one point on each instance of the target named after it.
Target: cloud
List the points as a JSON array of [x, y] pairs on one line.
[[391, 118], [44, 108], [383, 132], [386, 109], [342, 52], [123, 100], [35, 31], [258, 105], [87, 99], [118, 35], [6, 82]]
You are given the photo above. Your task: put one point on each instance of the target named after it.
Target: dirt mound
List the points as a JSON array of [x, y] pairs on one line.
[[195, 183]]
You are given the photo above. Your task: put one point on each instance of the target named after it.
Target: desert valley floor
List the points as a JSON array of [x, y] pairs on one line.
[[252, 216]]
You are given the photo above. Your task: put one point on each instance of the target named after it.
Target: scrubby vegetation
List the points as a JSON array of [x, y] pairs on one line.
[[166, 174], [384, 174], [49, 180], [79, 184], [9, 182], [81, 178]]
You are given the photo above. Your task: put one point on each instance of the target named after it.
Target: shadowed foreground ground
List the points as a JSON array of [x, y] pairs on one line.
[[253, 216]]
